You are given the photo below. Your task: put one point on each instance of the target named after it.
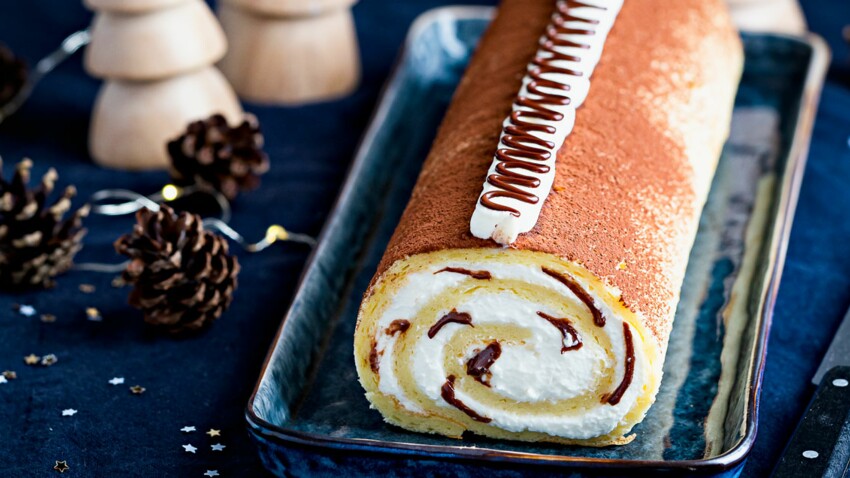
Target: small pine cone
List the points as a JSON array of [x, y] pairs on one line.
[[36, 242], [13, 74], [183, 275], [212, 154]]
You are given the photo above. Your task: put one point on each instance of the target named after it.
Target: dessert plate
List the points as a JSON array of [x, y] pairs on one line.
[[308, 413]]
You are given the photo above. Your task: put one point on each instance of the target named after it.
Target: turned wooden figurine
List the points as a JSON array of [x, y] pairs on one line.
[[290, 51], [784, 16], [157, 58]]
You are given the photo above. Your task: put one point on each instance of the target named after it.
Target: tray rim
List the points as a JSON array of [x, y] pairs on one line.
[[787, 196]]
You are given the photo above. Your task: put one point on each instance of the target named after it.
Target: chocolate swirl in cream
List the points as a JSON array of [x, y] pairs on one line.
[[448, 393], [583, 296], [542, 116], [480, 275], [452, 317], [567, 332], [478, 367], [614, 397]]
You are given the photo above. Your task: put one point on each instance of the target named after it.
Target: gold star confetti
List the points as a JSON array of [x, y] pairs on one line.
[[137, 389], [93, 314], [32, 359], [61, 466], [49, 360], [118, 282], [10, 374], [622, 266], [214, 433], [48, 318], [87, 288]]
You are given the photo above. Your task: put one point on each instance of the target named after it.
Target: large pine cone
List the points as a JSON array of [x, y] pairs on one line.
[[184, 276], [13, 74], [36, 243], [212, 154]]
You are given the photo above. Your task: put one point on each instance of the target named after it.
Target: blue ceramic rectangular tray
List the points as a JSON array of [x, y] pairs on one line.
[[308, 413]]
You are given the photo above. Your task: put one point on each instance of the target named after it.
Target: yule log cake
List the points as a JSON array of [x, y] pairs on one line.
[[538, 305]]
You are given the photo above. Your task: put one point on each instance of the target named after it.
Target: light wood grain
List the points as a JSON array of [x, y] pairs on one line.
[[285, 60], [154, 44], [782, 16], [289, 8], [129, 6], [133, 121]]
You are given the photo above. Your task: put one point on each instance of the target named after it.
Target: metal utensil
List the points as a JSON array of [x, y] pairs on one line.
[[820, 446]]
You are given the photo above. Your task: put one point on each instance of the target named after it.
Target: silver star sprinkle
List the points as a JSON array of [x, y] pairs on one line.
[[211, 473], [116, 381], [93, 314], [26, 310], [3, 379], [217, 447], [68, 412], [49, 360], [189, 448], [187, 429]]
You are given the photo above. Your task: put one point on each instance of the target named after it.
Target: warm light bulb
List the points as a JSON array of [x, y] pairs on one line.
[[170, 192], [276, 233]]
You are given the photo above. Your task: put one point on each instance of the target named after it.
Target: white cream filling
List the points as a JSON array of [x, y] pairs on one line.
[[533, 372], [502, 226]]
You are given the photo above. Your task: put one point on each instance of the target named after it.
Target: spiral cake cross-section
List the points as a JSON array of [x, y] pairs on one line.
[[539, 307]]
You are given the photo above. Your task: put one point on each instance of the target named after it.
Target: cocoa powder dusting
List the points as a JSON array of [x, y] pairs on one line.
[[626, 190]]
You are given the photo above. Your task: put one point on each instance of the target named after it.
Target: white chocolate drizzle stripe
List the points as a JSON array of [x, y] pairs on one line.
[[543, 115]]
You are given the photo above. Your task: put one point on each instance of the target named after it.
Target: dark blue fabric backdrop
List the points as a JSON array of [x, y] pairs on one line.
[[205, 381]]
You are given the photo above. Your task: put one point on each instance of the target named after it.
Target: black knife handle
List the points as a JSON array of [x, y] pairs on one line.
[[820, 446]]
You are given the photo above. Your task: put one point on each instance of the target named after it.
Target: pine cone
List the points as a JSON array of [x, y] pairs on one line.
[[13, 74], [36, 244], [214, 155], [183, 275]]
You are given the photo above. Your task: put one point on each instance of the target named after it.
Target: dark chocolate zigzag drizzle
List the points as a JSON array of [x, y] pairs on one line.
[[523, 150]]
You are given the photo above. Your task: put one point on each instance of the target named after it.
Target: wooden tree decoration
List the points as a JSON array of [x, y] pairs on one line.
[[783, 16], [290, 51], [157, 58]]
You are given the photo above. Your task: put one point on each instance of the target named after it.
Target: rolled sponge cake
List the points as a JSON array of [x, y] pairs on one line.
[[558, 334]]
